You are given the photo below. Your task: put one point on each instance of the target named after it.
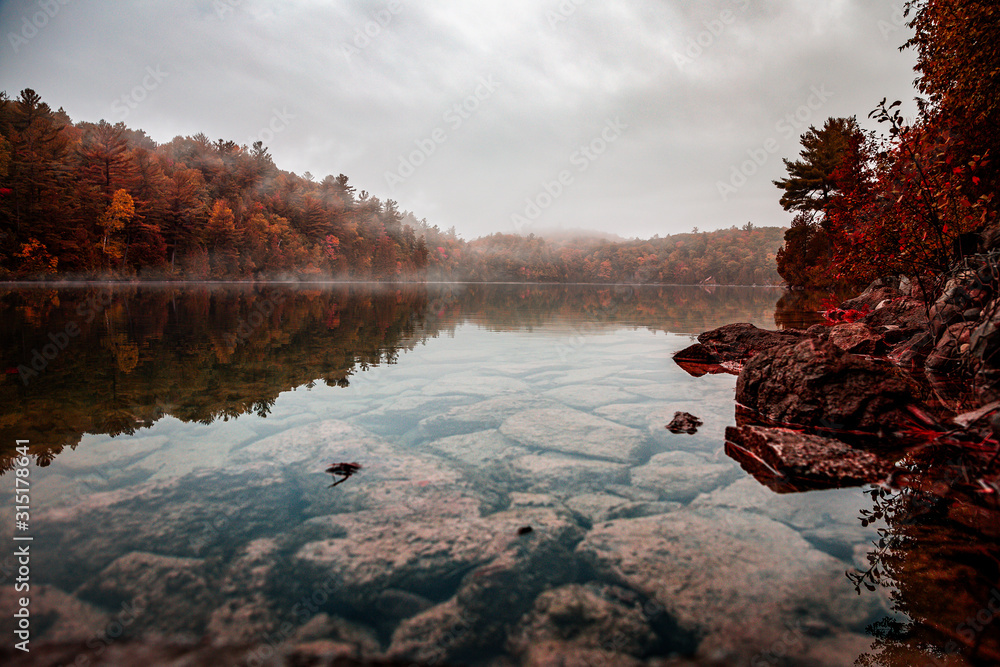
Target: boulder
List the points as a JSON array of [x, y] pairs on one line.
[[734, 580], [684, 422], [791, 460], [495, 595], [856, 337], [172, 595], [680, 476], [948, 353], [735, 343], [912, 353], [574, 432], [815, 383], [553, 472], [869, 300], [578, 618]]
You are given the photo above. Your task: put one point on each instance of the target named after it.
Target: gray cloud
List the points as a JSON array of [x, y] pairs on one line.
[[702, 87]]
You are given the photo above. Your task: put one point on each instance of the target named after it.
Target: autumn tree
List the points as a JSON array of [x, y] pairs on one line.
[[222, 240], [808, 190], [957, 43], [112, 223]]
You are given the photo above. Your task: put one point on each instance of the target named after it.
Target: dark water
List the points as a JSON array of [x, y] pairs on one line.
[[179, 438]]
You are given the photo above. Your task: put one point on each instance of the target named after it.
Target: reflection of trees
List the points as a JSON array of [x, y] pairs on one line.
[[939, 555], [197, 354], [800, 309], [218, 352]]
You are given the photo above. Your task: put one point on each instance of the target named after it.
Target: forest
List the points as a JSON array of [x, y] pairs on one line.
[[96, 200], [908, 200]]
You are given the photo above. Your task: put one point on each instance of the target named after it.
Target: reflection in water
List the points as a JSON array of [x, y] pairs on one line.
[[519, 498], [938, 555], [115, 359]]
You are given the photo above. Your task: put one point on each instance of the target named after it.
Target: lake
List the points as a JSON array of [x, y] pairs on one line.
[[518, 499]]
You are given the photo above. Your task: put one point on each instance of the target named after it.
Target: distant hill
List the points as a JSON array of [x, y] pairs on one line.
[[735, 256]]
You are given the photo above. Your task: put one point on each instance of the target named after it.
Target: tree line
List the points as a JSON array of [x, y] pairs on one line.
[[81, 199], [907, 201]]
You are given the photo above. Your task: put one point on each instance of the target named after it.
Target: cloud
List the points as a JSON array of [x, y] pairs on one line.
[[701, 87]]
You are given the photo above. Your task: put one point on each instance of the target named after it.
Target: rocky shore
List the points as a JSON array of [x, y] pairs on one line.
[[895, 377]]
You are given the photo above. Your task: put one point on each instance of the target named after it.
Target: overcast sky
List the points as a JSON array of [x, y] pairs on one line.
[[637, 117]]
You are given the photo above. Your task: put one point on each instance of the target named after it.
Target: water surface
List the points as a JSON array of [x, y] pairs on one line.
[[519, 497]]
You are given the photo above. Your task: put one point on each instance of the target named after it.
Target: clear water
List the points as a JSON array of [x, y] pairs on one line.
[[185, 432]]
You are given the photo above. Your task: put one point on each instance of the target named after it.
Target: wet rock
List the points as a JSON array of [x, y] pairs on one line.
[[394, 603], [171, 595], [800, 460], [875, 294], [736, 595], [493, 596], [598, 507], [943, 315], [585, 398], [912, 353], [815, 383], [553, 472], [855, 337], [247, 613], [684, 422], [209, 512], [354, 640], [735, 342], [573, 432], [577, 618], [680, 476], [423, 549], [477, 448], [488, 414], [947, 354], [566, 654]]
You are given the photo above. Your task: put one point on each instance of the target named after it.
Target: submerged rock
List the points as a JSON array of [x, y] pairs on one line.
[[551, 472], [717, 574], [576, 618], [574, 432], [680, 476], [791, 460], [493, 596], [815, 383], [172, 595], [684, 422]]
